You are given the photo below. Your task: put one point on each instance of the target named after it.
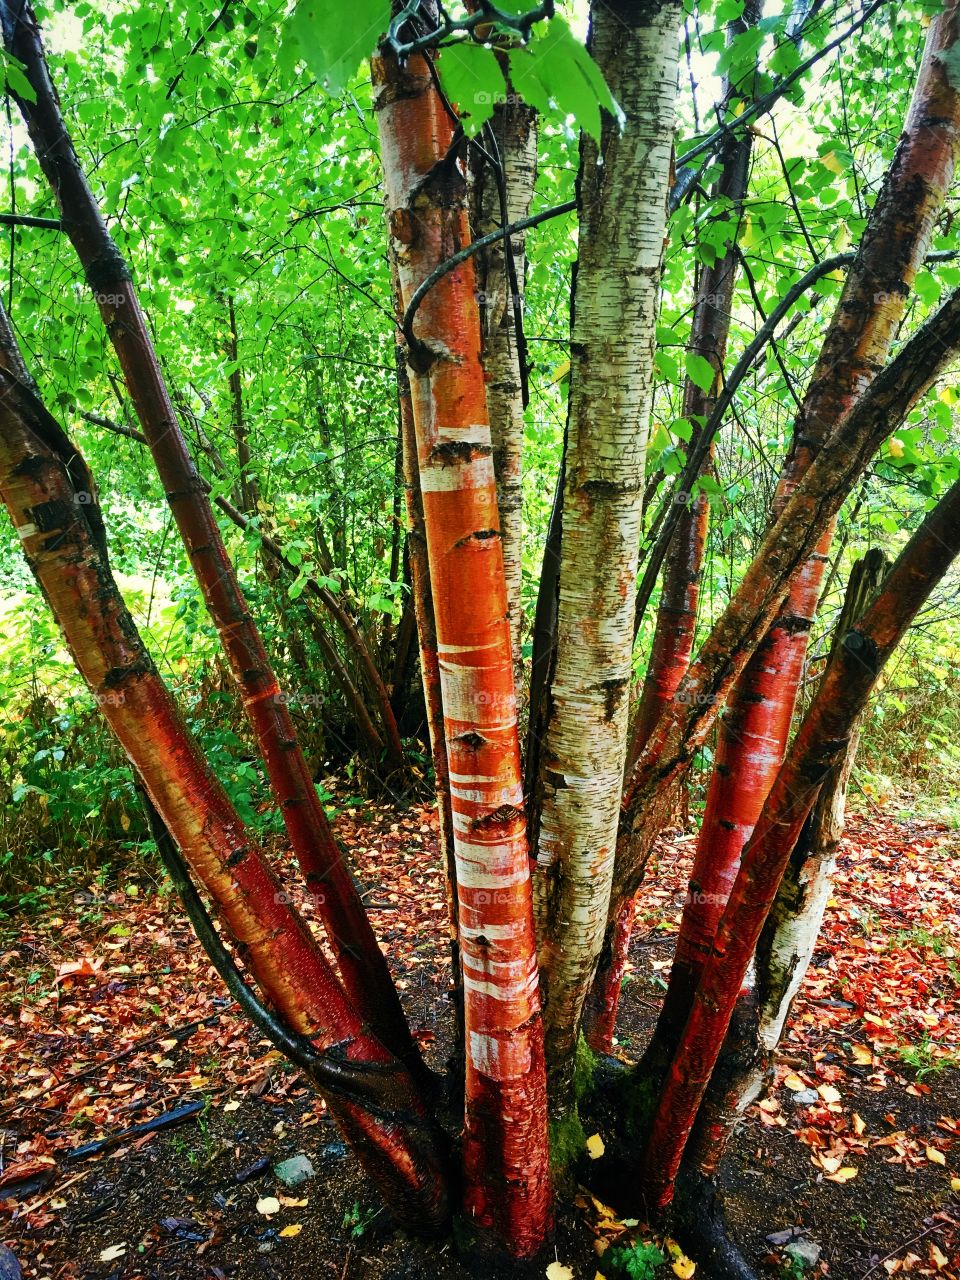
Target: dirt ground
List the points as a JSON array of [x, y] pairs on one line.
[[110, 1015]]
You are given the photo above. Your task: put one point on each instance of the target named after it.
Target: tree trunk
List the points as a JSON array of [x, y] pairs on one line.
[[819, 746], [506, 1165], [360, 960], [422, 597], [789, 543], [790, 934], [757, 722], [49, 495], [680, 593], [622, 193], [501, 198]]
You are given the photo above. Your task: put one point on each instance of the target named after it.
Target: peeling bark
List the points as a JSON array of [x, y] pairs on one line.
[[359, 958], [818, 747], [506, 1165], [790, 934], [787, 546]]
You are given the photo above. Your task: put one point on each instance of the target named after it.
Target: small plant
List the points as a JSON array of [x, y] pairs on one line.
[[633, 1262], [358, 1221], [925, 1058]]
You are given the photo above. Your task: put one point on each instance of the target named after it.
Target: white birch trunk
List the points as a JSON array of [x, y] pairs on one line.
[[501, 296], [623, 190]]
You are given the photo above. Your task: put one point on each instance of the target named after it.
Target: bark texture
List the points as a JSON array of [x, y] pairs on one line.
[[622, 194], [786, 547], [506, 1166], [676, 622], [360, 960], [49, 496], [756, 724], [500, 198], [790, 934], [819, 745]]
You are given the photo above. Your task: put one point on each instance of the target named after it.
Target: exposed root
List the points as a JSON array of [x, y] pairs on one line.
[[700, 1227]]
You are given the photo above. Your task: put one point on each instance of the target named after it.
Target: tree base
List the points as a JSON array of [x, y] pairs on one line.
[[700, 1226]]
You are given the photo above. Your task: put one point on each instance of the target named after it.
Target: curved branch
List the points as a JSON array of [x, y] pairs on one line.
[[362, 1082], [669, 513], [419, 354]]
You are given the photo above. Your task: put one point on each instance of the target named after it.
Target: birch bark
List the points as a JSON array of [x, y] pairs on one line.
[[622, 196], [501, 274]]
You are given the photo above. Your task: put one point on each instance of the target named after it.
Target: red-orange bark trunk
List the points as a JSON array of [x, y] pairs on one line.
[[820, 742], [57, 521], [360, 960], [756, 726], [506, 1166], [786, 548]]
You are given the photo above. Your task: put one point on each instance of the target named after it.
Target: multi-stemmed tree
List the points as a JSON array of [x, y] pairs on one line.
[[543, 868]]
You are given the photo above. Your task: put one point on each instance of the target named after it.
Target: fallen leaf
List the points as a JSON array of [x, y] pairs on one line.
[[112, 1253], [294, 1229], [847, 1174], [595, 1147], [828, 1093], [935, 1156], [233, 1105], [794, 1083], [268, 1206], [557, 1271]]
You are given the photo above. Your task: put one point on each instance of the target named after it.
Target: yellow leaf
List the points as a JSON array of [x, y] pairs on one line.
[[794, 1083], [828, 1093], [862, 1055], [233, 1105], [557, 1271], [859, 1127], [684, 1268], [595, 1147], [935, 1156], [938, 1259], [896, 447], [268, 1206], [294, 1229], [114, 1252], [831, 162], [842, 1175], [955, 1184]]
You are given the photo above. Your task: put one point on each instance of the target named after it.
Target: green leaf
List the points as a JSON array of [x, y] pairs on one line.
[[700, 371], [335, 38], [555, 67], [16, 78], [473, 82]]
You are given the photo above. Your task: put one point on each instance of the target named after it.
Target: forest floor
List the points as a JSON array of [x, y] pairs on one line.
[[110, 1015]]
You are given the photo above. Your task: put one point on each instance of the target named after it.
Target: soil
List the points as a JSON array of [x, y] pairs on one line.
[[106, 970]]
